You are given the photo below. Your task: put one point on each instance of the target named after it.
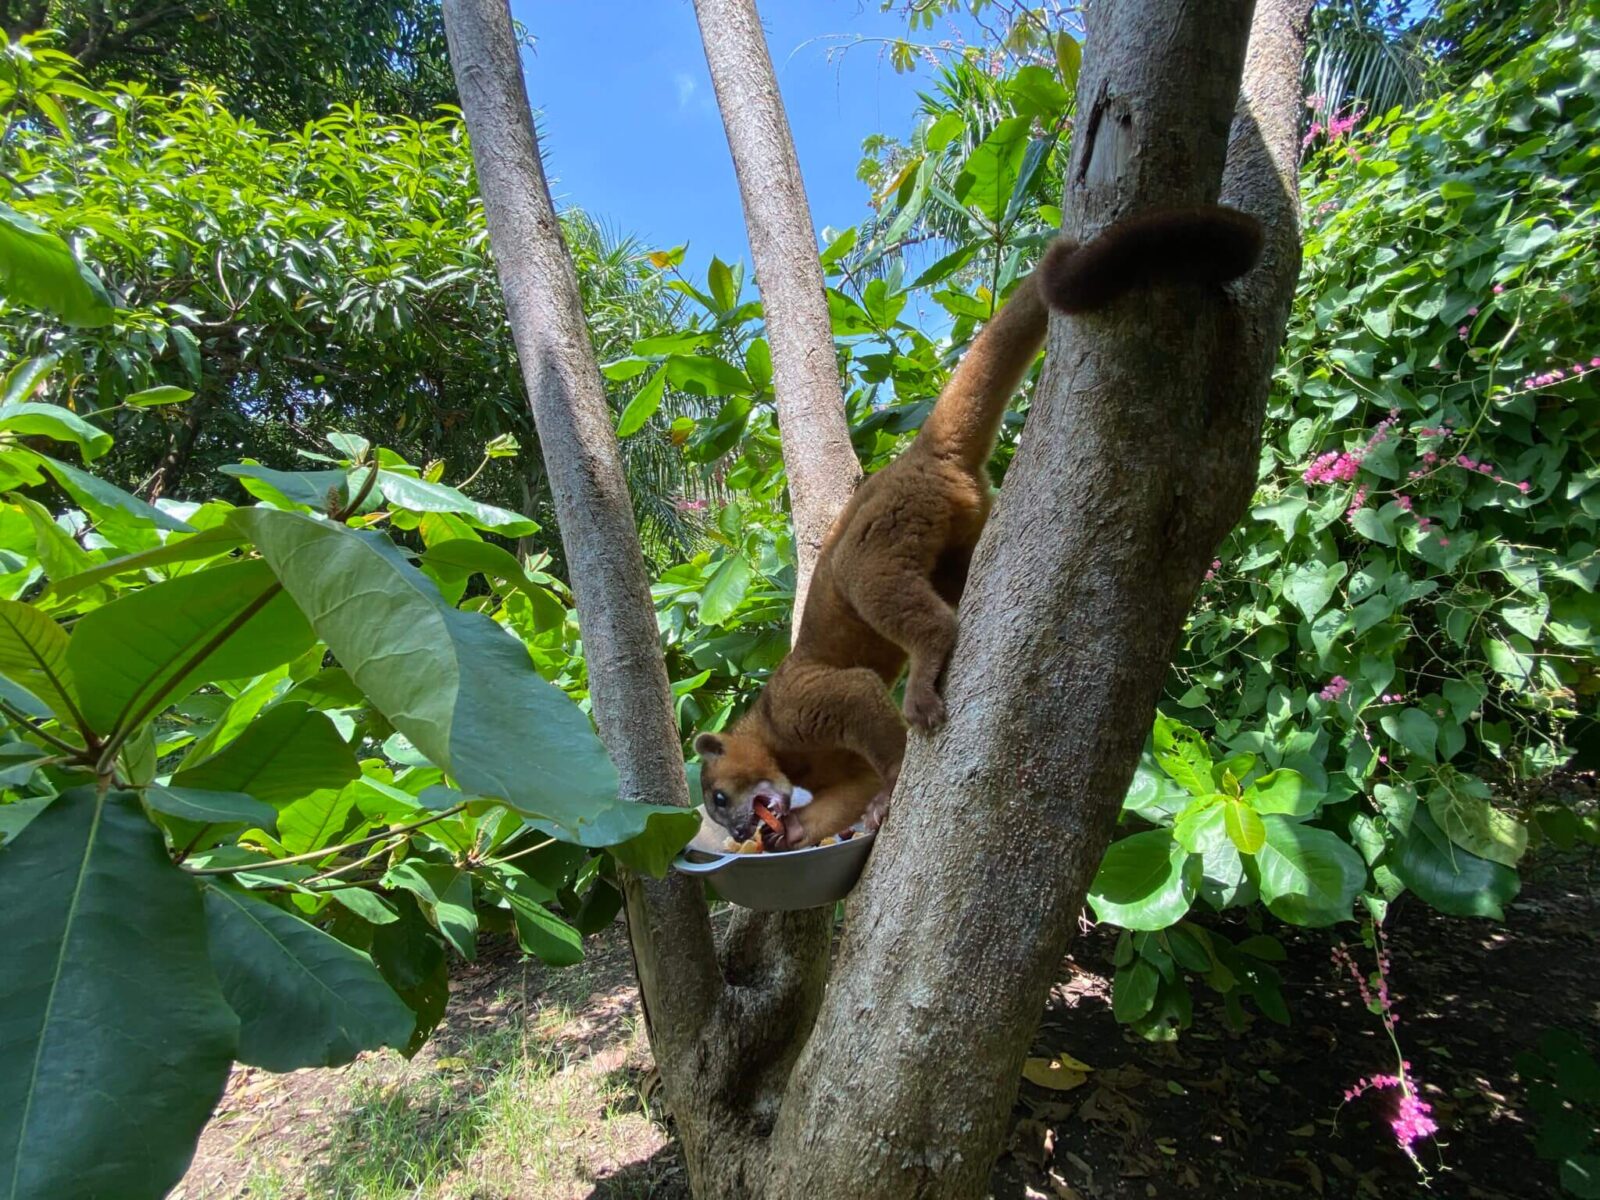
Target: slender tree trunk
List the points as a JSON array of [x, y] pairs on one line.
[[822, 465], [1139, 455]]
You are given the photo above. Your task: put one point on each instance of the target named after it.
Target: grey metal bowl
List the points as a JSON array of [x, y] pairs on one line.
[[783, 881]]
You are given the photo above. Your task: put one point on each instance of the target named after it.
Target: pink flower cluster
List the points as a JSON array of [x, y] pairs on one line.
[[1332, 467], [1557, 374], [1216, 565], [1337, 686], [691, 505], [1483, 468], [1391, 698], [1412, 1120]]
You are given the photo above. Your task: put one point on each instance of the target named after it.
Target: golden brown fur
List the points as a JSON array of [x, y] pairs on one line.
[[893, 567]]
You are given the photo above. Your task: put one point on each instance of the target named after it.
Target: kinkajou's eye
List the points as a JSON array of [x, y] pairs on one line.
[[720, 799]]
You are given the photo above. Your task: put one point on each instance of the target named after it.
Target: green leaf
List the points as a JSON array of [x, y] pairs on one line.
[[289, 752], [719, 279], [461, 688], [369, 906], [33, 654], [1183, 755], [1398, 804], [1244, 827], [1310, 586], [38, 270], [418, 495], [725, 590], [209, 543], [210, 808], [1451, 879], [1282, 791], [1283, 513], [1308, 876], [990, 174], [446, 889], [115, 1035], [310, 488], [57, 423], [1144, 882], [133, 655], [1413, 729], [315, 820], [702, 375], [157, 396], [107, 503], [1133, 991], [1474, 824], [304, 999], [644, 404], [25, 378], [539, 931]]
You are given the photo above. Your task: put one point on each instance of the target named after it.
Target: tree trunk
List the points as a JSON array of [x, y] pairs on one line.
[[168, 476], [822, 465], [1139, 455]]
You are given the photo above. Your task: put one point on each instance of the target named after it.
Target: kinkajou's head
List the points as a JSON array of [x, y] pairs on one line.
[[736, 771]]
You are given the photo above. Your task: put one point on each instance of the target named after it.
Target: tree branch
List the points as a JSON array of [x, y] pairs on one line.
[[822, 466], [668, 922]]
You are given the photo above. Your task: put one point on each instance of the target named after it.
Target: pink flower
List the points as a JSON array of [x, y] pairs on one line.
[[1472, 312], [1498, 288], [1412, 1122], [1577, 368], [1595, 362], [1462, 332], [1444, 541], [1404, 502], [1336, 688]]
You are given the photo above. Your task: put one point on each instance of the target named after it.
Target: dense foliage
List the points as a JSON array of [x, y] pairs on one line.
[[328, 727], [283, 62]]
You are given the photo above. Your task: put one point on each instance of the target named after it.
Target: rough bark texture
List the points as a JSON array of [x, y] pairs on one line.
[[822, 465], [1139, 455], [725, 1030]]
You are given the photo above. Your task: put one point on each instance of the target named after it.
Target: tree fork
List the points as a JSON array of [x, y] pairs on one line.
[[1139, 455]]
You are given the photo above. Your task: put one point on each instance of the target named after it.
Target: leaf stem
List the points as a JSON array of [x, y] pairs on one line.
[[326, 851], [78, 753]]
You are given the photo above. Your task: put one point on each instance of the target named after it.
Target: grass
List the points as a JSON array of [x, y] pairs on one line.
[[531, 1088]]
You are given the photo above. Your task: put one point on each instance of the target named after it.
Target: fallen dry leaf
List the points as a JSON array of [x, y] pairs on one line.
[[1058, 1074]]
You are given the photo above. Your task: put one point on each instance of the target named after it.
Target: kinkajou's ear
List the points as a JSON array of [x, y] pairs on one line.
[[707, 745]]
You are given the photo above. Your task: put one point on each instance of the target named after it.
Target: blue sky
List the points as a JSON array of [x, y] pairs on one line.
[[630, 128]]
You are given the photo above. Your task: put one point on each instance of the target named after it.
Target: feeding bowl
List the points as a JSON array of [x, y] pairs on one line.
[[782, 881]]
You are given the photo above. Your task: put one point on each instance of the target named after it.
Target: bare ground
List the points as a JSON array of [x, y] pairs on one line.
[[537, 1085]]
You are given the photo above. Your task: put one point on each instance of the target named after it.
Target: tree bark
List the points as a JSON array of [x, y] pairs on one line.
[[1139, 455], [822, 465], [726, 1030], [169, 472]]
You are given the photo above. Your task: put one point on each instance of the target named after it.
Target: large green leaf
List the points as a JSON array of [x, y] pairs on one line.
[[1468, 819], [1311, 585], [539, 931], [702, 375], [990, 174], [115, 1037], [33, 653], [644, 404], [461, 688], [304, 999], [418, 495], [290, 752], [209, 543], [1448, 877], [1146, 881], [39, 270], [111, 507], [446, 890], [1183, 755], [228, 622], [725, 590], [210, 808], [1308, 876], [1282, 791], [314, 489], [57, 423]]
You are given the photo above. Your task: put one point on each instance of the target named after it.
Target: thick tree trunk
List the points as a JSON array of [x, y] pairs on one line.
[[1139, 455], [822, 465], [724, 1031]]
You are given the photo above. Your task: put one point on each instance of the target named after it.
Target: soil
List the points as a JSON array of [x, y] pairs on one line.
[[1239, 1115]]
